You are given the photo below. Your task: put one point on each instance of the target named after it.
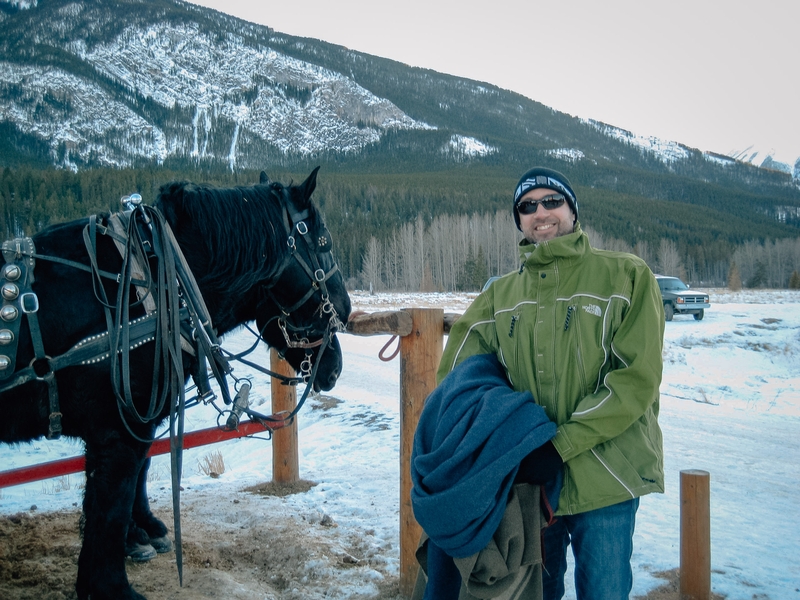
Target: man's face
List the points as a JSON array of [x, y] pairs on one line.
[[545, 224]]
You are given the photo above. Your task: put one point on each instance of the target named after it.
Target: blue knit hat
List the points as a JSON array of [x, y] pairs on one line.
[[541, 177]]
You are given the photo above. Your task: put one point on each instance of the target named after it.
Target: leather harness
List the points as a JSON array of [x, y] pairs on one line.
[[197, 336], [19, 299], [173, 320]]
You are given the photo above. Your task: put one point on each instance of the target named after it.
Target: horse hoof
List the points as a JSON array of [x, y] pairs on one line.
[[140, 552], [161, 544]]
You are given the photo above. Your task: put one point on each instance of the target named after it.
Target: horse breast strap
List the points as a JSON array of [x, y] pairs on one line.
[[16, 280], [15, 288]]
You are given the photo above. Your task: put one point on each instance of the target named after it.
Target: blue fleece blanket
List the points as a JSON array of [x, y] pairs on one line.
[[473, 432]]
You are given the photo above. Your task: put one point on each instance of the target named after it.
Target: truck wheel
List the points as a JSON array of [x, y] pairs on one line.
[[668, 312], [698, 316]]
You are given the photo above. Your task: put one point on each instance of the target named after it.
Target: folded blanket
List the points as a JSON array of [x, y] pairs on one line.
[[508, 568], [472, 434]]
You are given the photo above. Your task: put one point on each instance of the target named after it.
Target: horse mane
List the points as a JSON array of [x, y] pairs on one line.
[[243, 224]]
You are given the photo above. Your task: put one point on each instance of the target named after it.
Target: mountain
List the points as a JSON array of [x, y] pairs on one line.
[[767, 160], [163, 84]]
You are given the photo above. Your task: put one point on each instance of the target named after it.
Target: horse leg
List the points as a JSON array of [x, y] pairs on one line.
[[145, 527], [113, 465]]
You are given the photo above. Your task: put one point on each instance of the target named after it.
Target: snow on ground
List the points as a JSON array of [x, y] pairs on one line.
[[730, 405]]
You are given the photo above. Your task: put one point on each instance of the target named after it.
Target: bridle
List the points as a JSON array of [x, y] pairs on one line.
[[307, 253], [311, 255]]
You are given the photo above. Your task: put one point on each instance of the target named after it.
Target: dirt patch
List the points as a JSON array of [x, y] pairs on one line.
[[39, 555], [251, 556], [671, 590], [253, 546], [325, 403], [279, 489]]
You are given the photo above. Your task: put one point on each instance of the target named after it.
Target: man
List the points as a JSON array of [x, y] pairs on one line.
[[582, 329]]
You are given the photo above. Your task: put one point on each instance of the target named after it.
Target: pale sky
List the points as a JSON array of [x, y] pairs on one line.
[[718, 75]]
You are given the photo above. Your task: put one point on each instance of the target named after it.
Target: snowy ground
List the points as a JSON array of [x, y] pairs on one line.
[[730, 405]]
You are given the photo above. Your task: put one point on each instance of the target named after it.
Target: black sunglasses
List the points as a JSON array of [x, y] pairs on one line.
[[551, 202]]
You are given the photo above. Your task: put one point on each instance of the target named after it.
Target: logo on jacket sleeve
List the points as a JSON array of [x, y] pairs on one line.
[[593, 309]]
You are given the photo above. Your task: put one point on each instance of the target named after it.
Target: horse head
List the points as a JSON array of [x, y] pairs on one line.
[[306, 304], [264, 253]]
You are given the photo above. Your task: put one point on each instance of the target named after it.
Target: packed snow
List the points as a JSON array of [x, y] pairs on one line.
[[730, 405]]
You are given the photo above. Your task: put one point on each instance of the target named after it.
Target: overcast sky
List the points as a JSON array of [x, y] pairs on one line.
[[717, 75]]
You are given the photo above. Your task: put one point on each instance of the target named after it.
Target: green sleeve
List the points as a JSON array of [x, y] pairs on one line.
[[473, 333]]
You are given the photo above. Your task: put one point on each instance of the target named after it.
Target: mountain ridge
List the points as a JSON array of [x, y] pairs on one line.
[[144, 83]]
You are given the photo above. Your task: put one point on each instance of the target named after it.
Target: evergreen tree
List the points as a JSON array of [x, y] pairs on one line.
[[759, 277], [794, 281]]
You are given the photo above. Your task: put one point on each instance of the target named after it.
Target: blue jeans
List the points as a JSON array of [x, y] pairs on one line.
[[602, 544]]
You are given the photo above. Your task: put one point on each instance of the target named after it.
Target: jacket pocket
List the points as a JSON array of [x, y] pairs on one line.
[[619, 467]]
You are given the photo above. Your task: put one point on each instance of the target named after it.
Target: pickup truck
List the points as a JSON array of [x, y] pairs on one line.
[[680, 300]]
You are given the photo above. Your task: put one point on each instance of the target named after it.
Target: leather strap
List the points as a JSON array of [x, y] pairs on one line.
[[18, 254]]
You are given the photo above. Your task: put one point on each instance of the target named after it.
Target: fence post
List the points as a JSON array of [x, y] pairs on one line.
[[695, 536], [420, 353], [285, 459]]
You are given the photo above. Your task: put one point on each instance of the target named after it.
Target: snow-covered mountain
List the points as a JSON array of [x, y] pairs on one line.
[[222, 90], [768, 160], [153, 82], [670, 151]]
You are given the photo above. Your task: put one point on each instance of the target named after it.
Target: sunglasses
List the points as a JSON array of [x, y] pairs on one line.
[[551, 202]]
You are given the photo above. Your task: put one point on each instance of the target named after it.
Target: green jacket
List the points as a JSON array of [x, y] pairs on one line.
[[583, 329]]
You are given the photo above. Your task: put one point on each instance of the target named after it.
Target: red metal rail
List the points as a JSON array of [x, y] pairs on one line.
[[193, 439]]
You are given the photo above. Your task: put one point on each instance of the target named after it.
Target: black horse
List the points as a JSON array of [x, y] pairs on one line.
[[259, 253]]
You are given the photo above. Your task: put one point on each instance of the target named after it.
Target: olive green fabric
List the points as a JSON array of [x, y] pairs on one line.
[[582, 329], [510, 566]]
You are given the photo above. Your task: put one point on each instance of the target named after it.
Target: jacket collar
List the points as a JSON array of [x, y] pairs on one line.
[[573, 245]]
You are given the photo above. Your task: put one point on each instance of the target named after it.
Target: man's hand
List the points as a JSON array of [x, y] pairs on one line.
[[540, 466]]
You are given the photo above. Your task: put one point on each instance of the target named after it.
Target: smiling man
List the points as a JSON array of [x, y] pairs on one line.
[[582, 329], [543, 213]]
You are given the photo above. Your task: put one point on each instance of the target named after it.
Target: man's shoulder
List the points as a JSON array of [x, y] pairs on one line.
[[624, 260]]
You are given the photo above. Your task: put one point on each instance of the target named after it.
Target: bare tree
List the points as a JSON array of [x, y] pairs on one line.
[[669, 261], [371, 266], [392, 263], [642, 250], [734, 278]]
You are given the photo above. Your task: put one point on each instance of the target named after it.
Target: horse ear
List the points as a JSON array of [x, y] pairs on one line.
[[263, 178], [309, 185], [170, 201]]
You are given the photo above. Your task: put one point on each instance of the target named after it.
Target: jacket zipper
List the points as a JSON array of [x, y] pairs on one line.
[[514, 319]]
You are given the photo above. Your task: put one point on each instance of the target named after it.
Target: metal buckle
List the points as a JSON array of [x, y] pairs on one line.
[[304, 229], [33, 298]]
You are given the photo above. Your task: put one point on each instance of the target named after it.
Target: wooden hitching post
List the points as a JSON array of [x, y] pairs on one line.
[[285, 460], [420, 353], [695, 535]]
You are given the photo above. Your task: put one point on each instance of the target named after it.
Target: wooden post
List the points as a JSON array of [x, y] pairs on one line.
[[285, 459], [695, 536], [420, 353]]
